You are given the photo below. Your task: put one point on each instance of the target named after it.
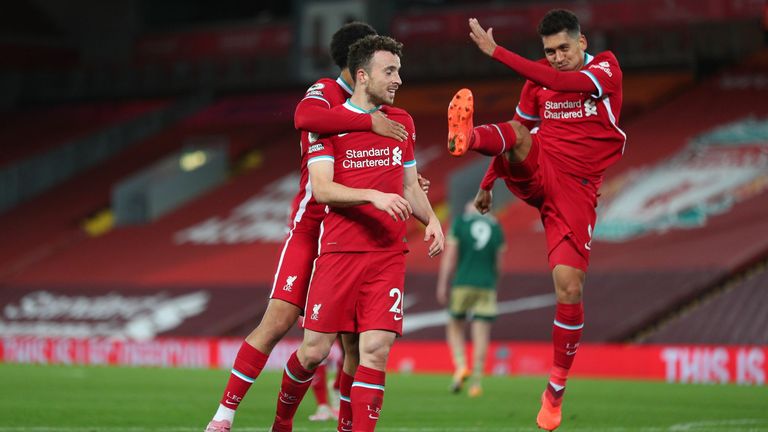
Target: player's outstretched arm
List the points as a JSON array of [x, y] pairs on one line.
[[316, 115], [539, 73], [328, 192], [422, 209]]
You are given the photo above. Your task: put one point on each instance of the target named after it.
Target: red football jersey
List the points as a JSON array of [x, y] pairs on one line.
[[579, 131], [306, 213], [367, 161]]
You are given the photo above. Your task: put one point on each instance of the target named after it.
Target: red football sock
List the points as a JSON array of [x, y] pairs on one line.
[[367, 397], [566, 334], [247, 366], [319, 385], [493, 139], [345, 407], [296, 382]]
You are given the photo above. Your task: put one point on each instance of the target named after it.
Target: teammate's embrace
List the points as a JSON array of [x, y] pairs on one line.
[[571, 104], [370, 185], [314, 115]]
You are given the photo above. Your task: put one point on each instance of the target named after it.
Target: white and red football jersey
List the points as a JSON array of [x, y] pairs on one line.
[[367, 161], [579, 131], [306, 213]]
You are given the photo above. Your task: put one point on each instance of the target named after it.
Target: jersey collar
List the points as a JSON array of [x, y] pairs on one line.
[[354, 108], [347, 88]]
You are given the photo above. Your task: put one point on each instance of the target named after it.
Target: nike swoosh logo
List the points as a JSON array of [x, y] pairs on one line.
[[370, 416], [286, 402], [398, 318], [342, 134], [230, 402]]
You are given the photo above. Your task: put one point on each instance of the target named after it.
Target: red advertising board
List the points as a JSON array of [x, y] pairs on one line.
[[705, 364]]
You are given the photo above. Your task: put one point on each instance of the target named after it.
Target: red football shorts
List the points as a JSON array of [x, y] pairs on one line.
[[294, 269], [353, 292], [566, 204]]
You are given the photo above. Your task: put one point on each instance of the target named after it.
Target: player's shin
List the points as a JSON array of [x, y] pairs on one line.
[[566, 336], [367, 397], [247, 366], [296, 382], [345, 405]]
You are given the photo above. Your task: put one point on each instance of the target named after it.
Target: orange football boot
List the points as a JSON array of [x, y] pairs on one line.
[[460, 112], [549, 416]]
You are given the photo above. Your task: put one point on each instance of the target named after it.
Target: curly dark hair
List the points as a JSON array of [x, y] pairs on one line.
[[362, 51], [558, 20], [344, 37]]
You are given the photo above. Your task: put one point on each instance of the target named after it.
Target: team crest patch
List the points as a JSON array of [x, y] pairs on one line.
[[316, 311], [289, 283]]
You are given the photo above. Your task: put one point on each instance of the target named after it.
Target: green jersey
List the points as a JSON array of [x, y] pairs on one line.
[[478, 239]]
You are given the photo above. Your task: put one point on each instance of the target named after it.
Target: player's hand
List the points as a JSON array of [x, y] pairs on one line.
[[395, 205], [383, 126], [435, 233], [483, 39], [483, 201], [424, 183]]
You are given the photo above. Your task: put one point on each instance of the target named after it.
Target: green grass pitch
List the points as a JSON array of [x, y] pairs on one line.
[[75, 398]]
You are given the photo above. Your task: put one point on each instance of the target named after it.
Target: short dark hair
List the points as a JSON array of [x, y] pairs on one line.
[[362, 51], [344, 37], [558, 20]]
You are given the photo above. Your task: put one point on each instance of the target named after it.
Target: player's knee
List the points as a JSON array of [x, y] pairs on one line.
[[310, 356], [375, 353], [569, 291], [522, 134], [271, 330]]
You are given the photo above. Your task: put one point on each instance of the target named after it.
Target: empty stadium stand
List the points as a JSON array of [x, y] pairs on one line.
[[28, 132], [734, 314]]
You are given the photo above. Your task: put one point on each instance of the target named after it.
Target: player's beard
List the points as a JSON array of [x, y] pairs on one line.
[[379, 97]]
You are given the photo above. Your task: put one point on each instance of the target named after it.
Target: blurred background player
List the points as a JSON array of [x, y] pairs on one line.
[[348, 172], [314, 113], [470, 264], [574, 100]]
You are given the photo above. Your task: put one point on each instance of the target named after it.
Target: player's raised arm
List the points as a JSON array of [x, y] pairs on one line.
[[422, 209], [571, 81]]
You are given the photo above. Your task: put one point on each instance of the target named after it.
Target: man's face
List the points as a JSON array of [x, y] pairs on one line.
[[384, 79], [564, 52]]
